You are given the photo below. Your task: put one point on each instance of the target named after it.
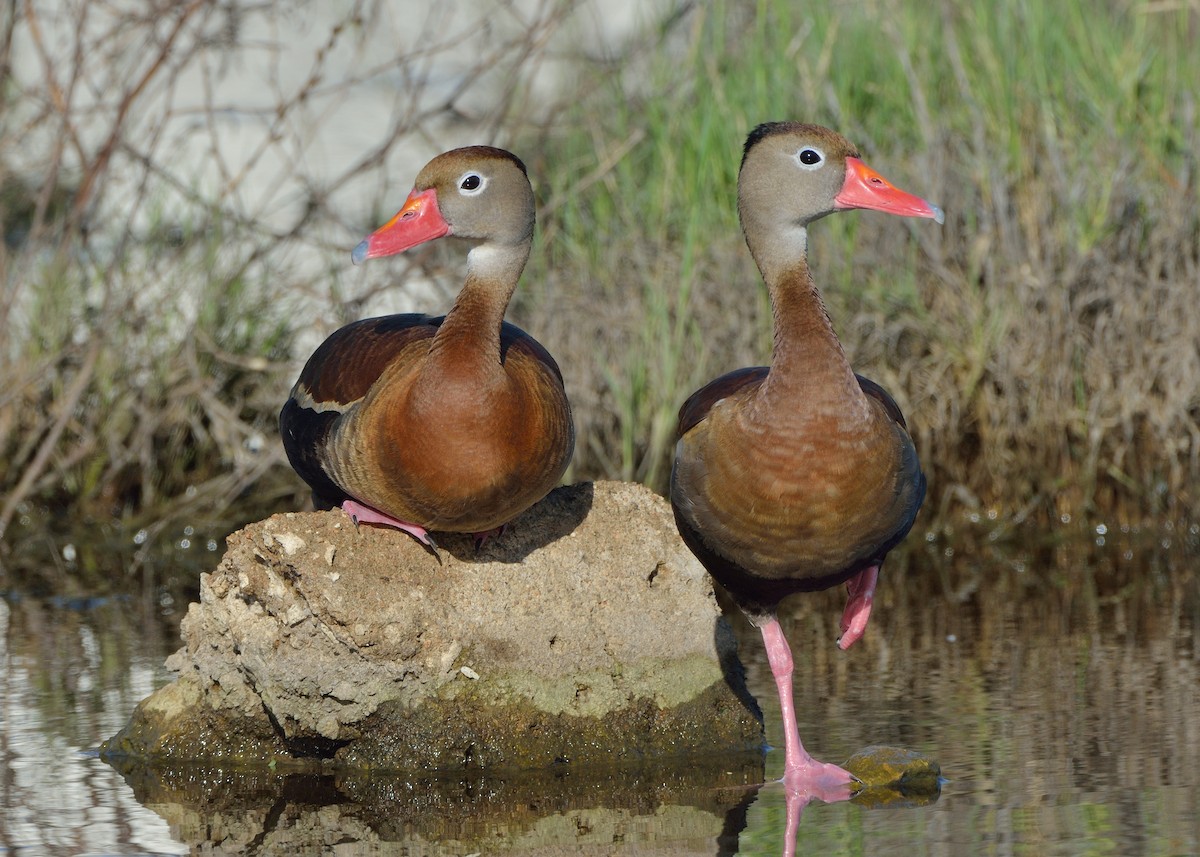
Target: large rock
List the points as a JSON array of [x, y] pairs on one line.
[[586, 633]]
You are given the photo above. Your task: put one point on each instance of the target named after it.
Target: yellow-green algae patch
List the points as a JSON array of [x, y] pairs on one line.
[[892, 776]]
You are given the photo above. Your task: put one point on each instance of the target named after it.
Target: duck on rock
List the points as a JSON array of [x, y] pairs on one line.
[[456, 423], [800, 475]]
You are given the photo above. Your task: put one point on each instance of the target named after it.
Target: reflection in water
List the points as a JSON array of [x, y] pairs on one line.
[[698, 807], [652, 811], [1062, 715], [1060, 707], [70, 671]]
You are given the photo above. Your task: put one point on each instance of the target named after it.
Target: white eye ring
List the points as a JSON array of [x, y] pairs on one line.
[[465, 178], [816, 165]]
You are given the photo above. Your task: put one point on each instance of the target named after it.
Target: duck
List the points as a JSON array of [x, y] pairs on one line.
[[800, 475], [455, 423]]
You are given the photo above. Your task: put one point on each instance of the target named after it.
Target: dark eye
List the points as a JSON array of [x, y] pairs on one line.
[[810, 157], [470, 182]]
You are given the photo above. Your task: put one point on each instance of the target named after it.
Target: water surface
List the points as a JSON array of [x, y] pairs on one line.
[[1060, 696]]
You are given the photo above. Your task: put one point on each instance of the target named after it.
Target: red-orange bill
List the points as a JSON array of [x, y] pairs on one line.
[[417, 222], [865, 188]]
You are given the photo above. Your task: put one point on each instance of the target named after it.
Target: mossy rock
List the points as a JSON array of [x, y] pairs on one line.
[[892, 776]]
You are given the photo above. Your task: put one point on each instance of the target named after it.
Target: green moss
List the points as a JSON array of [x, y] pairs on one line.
[[174, 725], [892, 776], [470, 731]]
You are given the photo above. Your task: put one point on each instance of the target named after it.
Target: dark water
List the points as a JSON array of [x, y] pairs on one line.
[[1059, 693]]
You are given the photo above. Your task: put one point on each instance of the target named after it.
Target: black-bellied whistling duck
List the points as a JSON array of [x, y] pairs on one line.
[[457, 423], [800, 475]]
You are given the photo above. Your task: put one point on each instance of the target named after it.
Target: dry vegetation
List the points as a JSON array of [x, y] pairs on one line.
[[175, 232], [174, 208]]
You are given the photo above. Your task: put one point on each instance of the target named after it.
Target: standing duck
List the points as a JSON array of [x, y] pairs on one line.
[[800, 475], [457, 423]]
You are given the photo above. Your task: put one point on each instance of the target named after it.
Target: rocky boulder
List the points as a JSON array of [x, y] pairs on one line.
[[586, 634]]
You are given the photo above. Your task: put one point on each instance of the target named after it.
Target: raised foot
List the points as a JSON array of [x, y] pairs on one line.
[[861, 589], [361, 514]]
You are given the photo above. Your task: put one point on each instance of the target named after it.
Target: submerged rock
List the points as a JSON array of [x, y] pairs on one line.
[[893, 776], [586, 633]]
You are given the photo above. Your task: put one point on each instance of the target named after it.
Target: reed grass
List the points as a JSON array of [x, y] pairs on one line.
[[1042, 343]]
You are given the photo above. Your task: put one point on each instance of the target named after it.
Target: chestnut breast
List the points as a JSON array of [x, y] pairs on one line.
[[463, 448], [810, 498]]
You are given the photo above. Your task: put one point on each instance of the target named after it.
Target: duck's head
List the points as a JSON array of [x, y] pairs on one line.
[[477, 192], [794, 173]]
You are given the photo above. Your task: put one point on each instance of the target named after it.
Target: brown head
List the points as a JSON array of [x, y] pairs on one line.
[[478, 192], [794, 173]]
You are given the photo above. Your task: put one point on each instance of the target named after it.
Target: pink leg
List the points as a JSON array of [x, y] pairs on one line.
[[361, 514], [482, 539], [794, 802], [861, 588], [801, 772]]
